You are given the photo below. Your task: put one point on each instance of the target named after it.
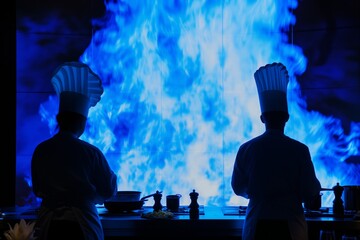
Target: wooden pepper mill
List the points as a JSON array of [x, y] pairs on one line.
[[157, 198], [194, 206], [338, 207]]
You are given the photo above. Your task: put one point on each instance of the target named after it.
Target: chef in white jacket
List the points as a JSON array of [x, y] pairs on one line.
[[70, 175], [274, 171]]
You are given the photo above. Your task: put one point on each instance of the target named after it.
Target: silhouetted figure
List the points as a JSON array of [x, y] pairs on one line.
[[272, 170], [70, 175]]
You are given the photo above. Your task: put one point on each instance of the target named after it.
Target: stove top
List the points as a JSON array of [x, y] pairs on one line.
[[322, 212], [327, 212], [183, 210], [234, 210]]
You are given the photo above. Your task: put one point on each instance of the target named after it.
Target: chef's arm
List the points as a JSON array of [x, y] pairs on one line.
[[310, 185], [239, 181]]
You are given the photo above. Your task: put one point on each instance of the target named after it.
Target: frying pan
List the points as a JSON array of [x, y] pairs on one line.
[[125, 201], [127, 196], [113, 206]]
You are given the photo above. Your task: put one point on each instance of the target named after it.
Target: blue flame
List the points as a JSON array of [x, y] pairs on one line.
[[180, 96]]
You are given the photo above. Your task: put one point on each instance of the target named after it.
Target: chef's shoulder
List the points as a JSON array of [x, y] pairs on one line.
[[90, 147], [45, 144], [295, 141], [250, 143]]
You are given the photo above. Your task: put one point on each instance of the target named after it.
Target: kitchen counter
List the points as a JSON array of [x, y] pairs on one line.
[[211, 223], [214, 222]]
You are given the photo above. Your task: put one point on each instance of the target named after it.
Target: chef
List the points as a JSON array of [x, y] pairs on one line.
[[69, 175], [274, 171]]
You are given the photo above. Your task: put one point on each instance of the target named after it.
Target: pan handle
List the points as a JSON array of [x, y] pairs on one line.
[[143, 198]]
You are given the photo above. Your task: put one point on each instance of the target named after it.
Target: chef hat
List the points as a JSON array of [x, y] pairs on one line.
[[77, 87], [271, 82]]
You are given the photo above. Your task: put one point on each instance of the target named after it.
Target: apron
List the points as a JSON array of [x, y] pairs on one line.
[[87, 217], [279, 211]]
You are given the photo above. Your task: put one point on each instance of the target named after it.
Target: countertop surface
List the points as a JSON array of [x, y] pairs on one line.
[[212, 221], [205, 213]]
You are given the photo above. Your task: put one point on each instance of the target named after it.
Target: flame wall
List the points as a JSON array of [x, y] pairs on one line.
[[180, 97]]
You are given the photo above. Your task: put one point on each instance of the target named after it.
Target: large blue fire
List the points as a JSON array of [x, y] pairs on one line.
[[180, 96]]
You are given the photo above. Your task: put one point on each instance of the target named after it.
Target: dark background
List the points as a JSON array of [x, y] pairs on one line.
[[327, 31], [329, 34]]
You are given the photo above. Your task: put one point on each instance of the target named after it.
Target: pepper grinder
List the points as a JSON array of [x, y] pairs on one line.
[[194, 206], [157, 198], [338, 207]]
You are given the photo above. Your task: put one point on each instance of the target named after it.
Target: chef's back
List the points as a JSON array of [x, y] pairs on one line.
[[69, 175], [274, 171]]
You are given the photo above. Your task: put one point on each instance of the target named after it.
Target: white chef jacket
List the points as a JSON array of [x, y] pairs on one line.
[[277, 175], [71, 176]]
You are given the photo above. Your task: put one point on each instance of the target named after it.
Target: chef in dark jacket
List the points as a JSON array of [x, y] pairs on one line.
[[274, 171], [70, 175]]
